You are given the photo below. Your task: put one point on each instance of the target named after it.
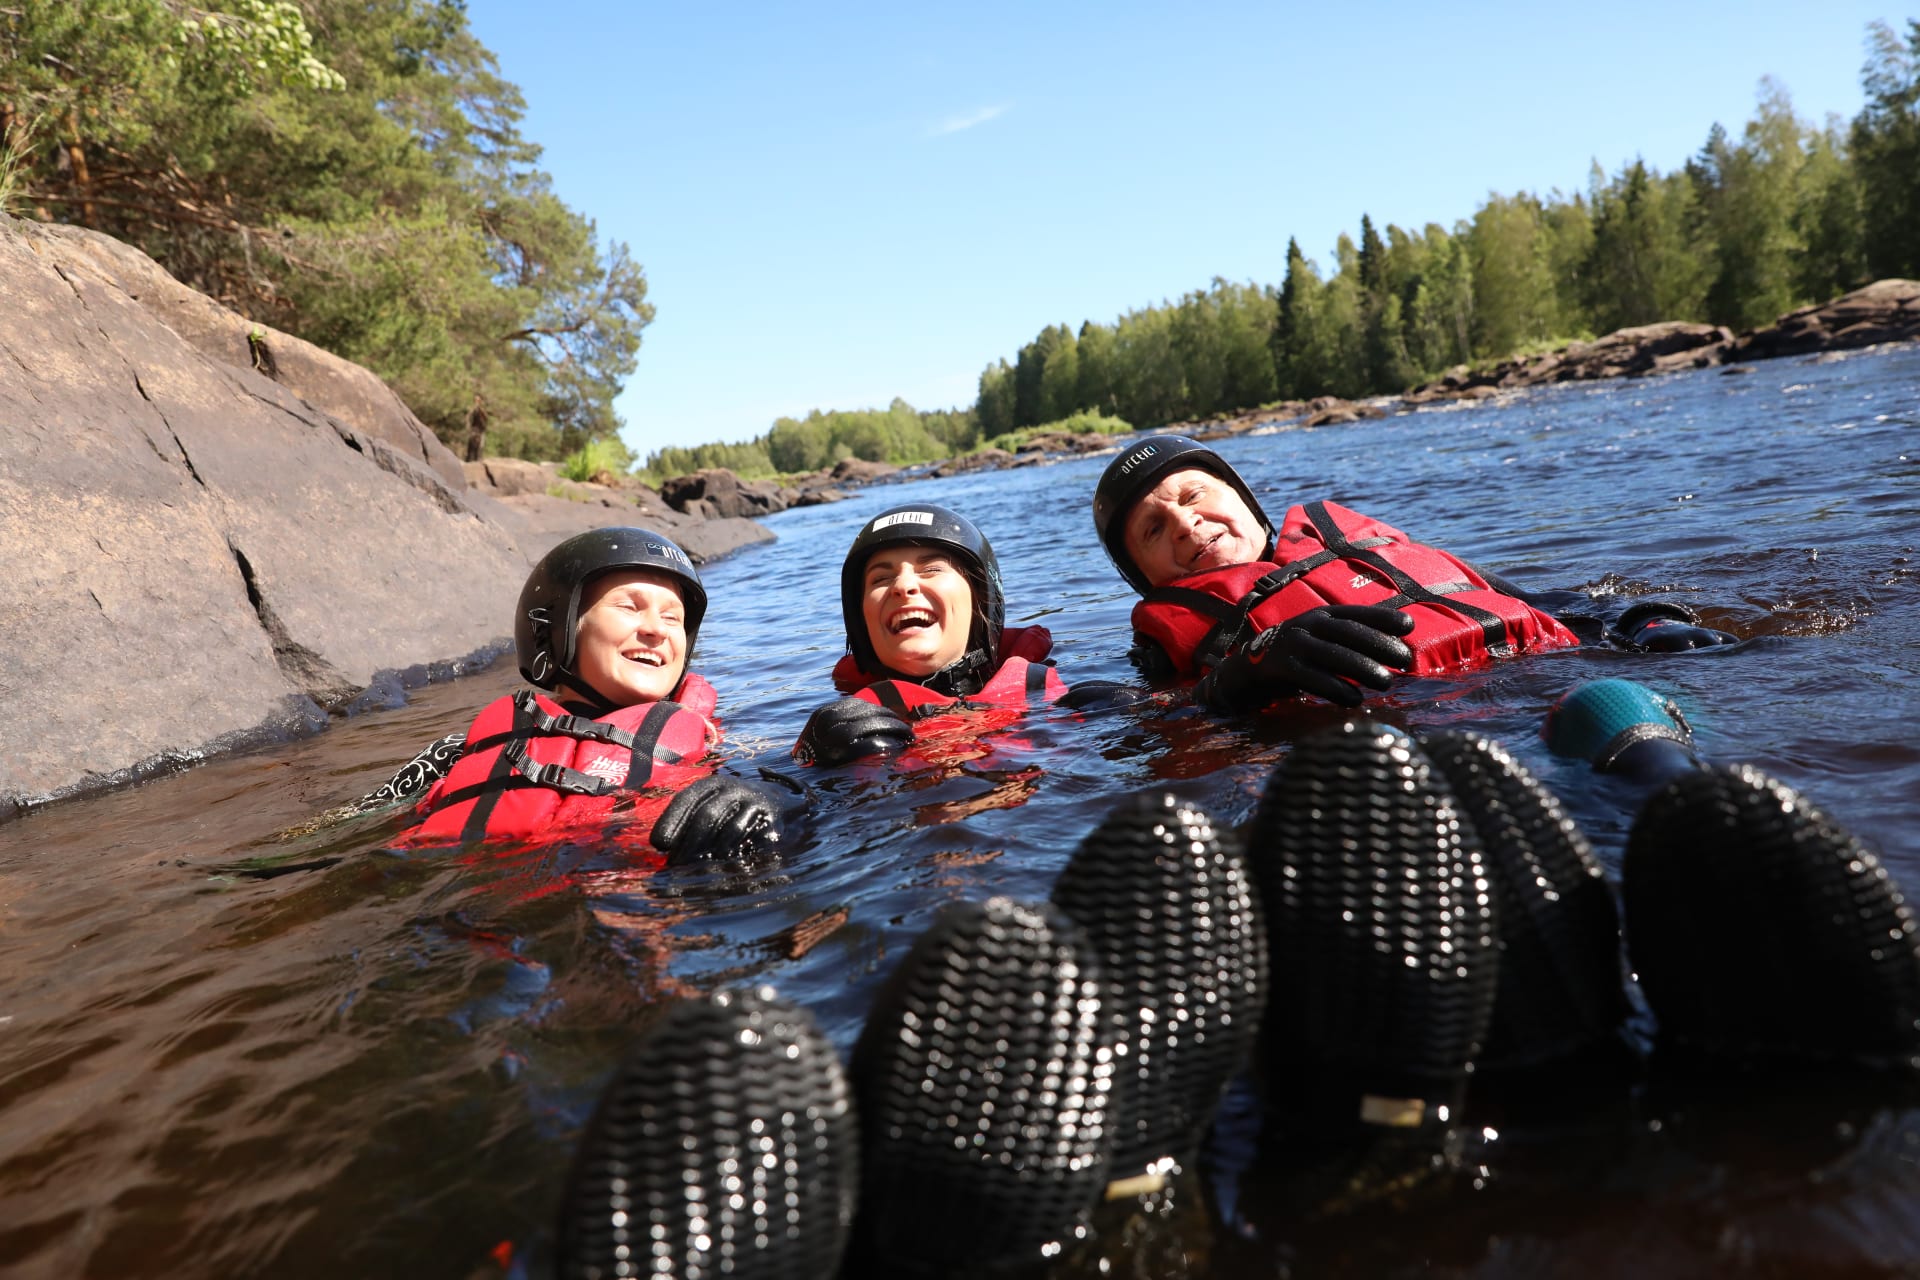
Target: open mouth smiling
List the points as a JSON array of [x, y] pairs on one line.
[[910, 620], [647, 658]]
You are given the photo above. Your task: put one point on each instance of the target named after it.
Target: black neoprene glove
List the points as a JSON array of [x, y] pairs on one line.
[[719, 817], [1328, 652], [850, 729], [1661, 626]]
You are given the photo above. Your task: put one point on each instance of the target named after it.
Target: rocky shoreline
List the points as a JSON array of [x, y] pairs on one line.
[[220, 534], [1885, 311]]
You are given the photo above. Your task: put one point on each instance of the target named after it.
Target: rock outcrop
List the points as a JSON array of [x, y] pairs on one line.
[[216, 531], [1643, 349], [719, 492], [1069, 443], [337, 387], [1884, 311]]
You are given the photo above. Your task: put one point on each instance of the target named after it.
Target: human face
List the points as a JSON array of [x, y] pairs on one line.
[[1190, 522], [918, 607], [631, 644]]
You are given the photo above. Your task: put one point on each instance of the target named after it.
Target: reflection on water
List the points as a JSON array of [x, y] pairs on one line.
[[224, 1053]]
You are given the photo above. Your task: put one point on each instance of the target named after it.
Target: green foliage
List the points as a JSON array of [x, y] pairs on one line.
[[255, 41], [1643, 266], [1886, 152], [1830, 257], [1514, 299], [898, 434], [749, 461], [1084, 423], [350, 171], [995, 404], [597, 458]]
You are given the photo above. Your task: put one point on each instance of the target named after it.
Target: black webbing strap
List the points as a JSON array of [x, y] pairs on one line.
[[646, 744], [1036, 681], [1492, 626], [530, 721], [1232, 622], [888, 691], [500, 775]]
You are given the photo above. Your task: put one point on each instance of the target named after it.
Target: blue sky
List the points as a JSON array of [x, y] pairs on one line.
[[839, 204]]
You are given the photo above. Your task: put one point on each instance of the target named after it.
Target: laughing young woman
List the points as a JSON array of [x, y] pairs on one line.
[[927, 637]]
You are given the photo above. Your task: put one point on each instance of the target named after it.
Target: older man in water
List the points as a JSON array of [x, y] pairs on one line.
[[1329, 602]]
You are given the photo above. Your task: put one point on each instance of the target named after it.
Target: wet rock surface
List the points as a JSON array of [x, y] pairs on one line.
[[216, 531]]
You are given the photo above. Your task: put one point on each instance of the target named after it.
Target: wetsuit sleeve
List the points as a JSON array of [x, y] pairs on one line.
[[415, 776], [1578, 612], [1098, 695]]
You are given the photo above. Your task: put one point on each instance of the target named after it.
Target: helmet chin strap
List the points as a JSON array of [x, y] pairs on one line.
[[580, 692]]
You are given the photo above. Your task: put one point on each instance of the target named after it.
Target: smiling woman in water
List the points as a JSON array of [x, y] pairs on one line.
[[925, 615]]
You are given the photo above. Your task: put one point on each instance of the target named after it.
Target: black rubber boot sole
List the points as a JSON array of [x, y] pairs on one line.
[[1561, 993], [1762, 932], [725, 1144], [1172, 915], [985, 1078], [1380, 921]]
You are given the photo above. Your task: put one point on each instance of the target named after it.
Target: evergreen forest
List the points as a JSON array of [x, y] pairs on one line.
[[353, 172]]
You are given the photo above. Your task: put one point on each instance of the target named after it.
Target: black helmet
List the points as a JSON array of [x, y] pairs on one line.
[[545, 622], [923, 524], [1135, 472]]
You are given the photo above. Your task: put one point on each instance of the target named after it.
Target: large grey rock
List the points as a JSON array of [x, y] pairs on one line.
[[987, 459], [504, 477], [337, 387], [860, 471], [718, 492], [195, 550]]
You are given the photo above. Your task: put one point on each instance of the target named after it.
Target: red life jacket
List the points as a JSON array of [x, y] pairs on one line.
[[1325, 554], [530, 767], [1031, 643], [1017, 685], [950, 730]]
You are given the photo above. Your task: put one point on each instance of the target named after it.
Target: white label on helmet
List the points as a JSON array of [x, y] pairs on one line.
[[901, 517], [668, 550]]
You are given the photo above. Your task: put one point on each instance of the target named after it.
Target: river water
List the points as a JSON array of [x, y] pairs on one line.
[[228, 1051]]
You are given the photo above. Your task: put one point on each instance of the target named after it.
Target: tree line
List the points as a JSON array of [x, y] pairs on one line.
[[899, 434], [349, 171], [1784, 214]]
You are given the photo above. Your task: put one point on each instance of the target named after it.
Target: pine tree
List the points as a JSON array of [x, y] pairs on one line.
[[1886, 152]]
